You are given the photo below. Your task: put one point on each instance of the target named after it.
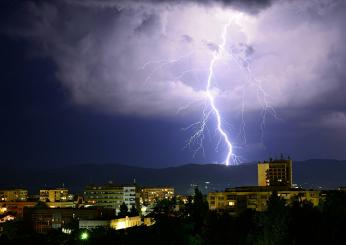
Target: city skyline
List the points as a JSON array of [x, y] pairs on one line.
[[190, 122]]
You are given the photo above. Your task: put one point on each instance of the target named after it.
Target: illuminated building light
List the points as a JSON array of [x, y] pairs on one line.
[[121, 225], [231, 203], [84, 236], [66, 231]]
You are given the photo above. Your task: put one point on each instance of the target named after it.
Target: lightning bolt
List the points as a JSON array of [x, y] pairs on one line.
[[217, 55], [164, 63], [262, 95], [196, 141], [198, 137]]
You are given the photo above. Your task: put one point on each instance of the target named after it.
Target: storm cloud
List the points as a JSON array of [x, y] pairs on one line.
[[151, 58]]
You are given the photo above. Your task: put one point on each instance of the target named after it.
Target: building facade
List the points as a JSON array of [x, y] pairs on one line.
[[16, 208], [273, 176], [93, 224], [150, 195], [275, 173], [116, 224], [57, 198], [13, 195], [111, 196], [55, 195], [45, 219], [127, 222], [238, 199]]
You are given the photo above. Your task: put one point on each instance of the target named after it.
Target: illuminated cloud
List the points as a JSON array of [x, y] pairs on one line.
[[150, 58], [101, 48]]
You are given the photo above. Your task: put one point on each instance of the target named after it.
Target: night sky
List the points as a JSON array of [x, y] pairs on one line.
[[121, 81]]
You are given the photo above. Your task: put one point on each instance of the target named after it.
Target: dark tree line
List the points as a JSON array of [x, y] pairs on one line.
[[297, 223], [124, 211]]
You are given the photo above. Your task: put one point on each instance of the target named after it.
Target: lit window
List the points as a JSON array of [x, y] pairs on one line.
[[231, 203]]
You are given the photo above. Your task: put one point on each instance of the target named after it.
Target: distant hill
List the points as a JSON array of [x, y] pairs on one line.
[[314, 173]]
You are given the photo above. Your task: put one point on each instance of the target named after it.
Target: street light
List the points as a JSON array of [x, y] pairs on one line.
[[84, 235]]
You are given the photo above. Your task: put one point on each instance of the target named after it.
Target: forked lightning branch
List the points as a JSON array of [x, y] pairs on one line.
[[211, 109]]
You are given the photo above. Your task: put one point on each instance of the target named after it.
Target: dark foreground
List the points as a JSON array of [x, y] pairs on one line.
[[299, 223]]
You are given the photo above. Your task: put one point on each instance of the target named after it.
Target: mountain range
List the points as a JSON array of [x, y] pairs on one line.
[[314, 173]]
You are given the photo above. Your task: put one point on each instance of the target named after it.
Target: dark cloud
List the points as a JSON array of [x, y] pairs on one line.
[[149, 24], [248, 6], [150, 59], [249, 50], [211, 46], [186, 38]]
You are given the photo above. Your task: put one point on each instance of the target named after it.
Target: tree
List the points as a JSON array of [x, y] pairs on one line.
[[304, 221], [275, 203], [124, 211], [17, 230], [133, 211], [334, 216], [273, 224], [164, 208], [198, 209]]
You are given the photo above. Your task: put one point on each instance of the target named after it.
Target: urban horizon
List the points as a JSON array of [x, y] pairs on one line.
[[195, 122], [116, 207]]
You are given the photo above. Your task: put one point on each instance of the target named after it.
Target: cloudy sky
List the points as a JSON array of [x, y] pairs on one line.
[[125, 81]]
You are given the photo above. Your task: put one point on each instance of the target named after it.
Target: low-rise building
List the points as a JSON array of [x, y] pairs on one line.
[[237, 199], [55, 195], [16, 208], [116, 224], [127, 222], [44, 219], [70, 204], [13, 195], [93, 224], [150, 195], [217, 200]]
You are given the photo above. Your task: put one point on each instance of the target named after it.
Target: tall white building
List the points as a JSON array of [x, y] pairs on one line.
[[111, 196]]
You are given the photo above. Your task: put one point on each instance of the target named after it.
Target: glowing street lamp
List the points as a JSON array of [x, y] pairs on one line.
[[84, 236]]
